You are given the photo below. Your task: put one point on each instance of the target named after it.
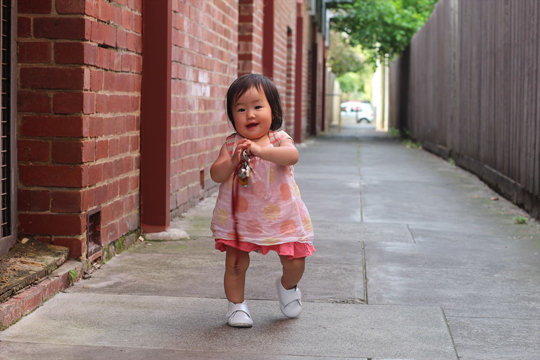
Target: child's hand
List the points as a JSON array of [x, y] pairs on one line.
[[253, 148], [237, 155]]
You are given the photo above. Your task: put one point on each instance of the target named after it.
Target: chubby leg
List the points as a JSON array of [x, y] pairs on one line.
[[293, 269], [235, 281]]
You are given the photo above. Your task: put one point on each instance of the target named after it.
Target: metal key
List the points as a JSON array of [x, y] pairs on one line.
[[245, 170]]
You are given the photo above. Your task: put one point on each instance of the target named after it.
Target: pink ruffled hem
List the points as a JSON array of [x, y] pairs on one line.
[[293, 250]]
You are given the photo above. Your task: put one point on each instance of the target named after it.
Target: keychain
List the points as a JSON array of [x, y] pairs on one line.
[[245, 170]]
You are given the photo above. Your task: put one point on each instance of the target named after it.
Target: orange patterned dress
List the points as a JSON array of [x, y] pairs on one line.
[[270, 213]]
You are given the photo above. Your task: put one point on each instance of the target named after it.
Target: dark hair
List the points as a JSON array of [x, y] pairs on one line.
[[259, 82]]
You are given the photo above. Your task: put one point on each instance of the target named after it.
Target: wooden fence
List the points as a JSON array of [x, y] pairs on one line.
[[468, 87]]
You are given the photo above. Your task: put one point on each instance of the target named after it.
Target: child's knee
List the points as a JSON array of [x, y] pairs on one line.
[[293, 264], [234, 267]]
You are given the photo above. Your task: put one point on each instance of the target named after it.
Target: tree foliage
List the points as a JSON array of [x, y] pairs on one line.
[[382, 27], [342, 57]]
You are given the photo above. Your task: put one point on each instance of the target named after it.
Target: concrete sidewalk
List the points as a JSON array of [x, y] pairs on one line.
[[414, 261]]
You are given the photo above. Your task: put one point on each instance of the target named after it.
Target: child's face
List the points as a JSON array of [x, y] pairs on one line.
[[252, 114]]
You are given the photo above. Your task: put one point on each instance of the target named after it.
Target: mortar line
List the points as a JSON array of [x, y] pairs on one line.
[[365, 272], [412, 235], [360, 181], [450, 333]]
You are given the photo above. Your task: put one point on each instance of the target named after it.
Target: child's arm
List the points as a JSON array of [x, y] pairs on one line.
[[285, 154], [224, 165]]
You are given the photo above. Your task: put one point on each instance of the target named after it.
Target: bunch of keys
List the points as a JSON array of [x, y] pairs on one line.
[[245, 170]]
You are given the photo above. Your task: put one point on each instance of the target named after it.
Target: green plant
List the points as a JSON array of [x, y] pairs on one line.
[[452, 161], [520, 220], [72, 276], [394, 132], [410, 144]]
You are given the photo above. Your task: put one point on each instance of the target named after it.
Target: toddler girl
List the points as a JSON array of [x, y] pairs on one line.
[[266, 213]]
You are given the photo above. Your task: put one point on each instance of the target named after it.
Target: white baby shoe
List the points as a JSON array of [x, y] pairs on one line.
[[289, 300], [238, 315]]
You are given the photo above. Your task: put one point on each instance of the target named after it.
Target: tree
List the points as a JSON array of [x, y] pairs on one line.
[[342, 57], [382, 27]]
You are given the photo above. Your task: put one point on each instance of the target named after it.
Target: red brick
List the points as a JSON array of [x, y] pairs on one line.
[[71, 126], [70, 6], [50, 224], [101, 196], [113, 190], [62, 28], [96, 127], [66, 201], [124, 186], [24, 27], [126, 61], [52, 78], [34, 52], [95, 174], [116, 15], [53, 175], [126, 19], [89, 103], [121, 38], [102, 149], [75, 245], [134, 143], [104, 11], [28, 150], [47, 289], [89, 197], [33, 200], [68, 103], [133, 183], [73, 152], [96, 80], [33, 101], [114, 147], [34, 6], [108, 170], [31, 299], [76, 53], [10, 311]]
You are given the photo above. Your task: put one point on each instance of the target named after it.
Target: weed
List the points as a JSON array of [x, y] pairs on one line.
[[410, 144], [452, 161], [394, 132], [72, 276], [520, 220]]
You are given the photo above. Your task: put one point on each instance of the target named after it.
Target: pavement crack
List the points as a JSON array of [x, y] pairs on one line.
[[412, 235]]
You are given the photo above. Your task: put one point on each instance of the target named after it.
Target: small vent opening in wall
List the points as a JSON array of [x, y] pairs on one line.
[[201, 178], [93, 234]]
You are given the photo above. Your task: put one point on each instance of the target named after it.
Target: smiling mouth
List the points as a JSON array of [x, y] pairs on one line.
[[252, 125]]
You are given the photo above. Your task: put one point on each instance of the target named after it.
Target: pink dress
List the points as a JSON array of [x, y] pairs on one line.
[[271, 215]]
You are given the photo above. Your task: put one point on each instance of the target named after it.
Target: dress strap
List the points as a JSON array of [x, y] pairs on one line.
[[229, 143], [274, 137]]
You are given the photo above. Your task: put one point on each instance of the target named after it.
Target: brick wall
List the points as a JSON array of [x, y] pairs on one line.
[[250, 36], [205, 63], [284, 21], [79, 94]]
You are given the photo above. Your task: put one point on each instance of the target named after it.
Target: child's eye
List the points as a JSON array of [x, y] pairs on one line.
[[258, 107], [241, 110]]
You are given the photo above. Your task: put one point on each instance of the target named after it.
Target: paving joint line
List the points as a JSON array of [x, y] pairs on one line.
[[365, 272], [450, 333]]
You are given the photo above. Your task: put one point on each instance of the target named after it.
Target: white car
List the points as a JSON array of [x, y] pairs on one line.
[[360, 110]]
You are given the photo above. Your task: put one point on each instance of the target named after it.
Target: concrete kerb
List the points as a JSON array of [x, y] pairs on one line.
[[30, 299]]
